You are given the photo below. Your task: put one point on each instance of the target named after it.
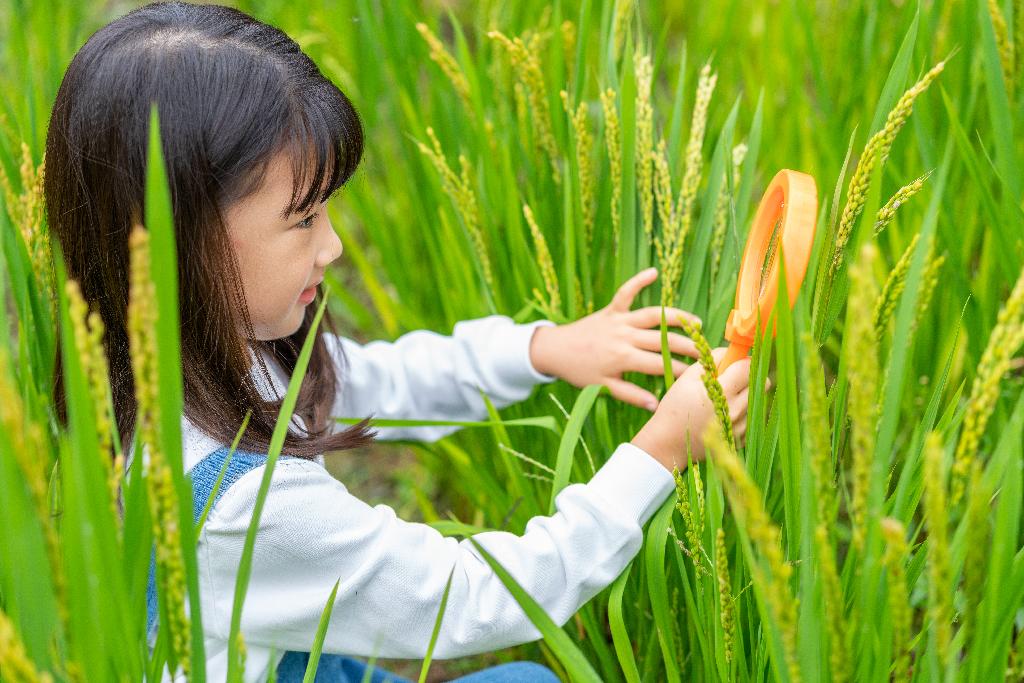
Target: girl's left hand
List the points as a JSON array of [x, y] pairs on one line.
[[598, 348]]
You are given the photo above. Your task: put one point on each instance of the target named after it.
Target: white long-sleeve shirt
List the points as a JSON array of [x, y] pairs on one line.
[[392, 573]]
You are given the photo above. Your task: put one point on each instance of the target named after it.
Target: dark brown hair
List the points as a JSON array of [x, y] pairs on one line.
[[231, 92]]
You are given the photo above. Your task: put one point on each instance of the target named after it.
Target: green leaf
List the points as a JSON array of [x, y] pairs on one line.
[[568, 654], [321, 633]]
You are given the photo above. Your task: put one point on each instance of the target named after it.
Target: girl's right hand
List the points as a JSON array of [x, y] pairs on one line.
[[686, 409]]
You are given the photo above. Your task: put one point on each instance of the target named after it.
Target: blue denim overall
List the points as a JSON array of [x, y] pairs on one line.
[[332, 668]]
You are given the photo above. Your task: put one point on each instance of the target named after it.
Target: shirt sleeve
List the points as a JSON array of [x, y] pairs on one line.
[[428, 376], [392, 573]]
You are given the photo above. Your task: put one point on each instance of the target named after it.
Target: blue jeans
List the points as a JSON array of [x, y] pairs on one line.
[[342, 669]]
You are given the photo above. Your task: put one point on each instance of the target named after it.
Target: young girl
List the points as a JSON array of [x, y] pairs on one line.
[[256, 140]]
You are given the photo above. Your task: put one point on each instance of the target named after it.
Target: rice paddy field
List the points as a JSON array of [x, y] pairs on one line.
[[525, 158]]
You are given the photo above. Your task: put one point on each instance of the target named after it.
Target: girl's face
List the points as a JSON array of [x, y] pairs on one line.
[[282, 259]]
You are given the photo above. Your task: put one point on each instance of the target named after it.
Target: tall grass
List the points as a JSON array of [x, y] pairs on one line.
[[524, 158]]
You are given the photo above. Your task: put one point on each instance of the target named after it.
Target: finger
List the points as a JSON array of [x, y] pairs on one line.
[[631, 394], [651, 363], [736, 377], [650, 316], [738, 405], [623, 299], [650, 340]]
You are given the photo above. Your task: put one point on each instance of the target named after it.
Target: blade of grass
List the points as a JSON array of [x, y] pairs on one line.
[[276, 443], [321, 633]]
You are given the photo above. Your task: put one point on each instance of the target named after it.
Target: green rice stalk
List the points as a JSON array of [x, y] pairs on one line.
[[863, 372], [522, 114], [834, 603], [552, 306], [888, 212], [818, 435], [1006, 337], [739, 152], [162, 493], [876, 151], [439, 55], [899, 602], [726, 601], [936, 517], [613, 141], [15, 666], [692, 519], [28, 448], [747, 503]]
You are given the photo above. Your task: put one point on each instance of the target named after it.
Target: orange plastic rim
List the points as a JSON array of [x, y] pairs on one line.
[[790, 207]]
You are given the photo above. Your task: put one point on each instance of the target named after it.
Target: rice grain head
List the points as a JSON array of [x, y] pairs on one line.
[[979, 539], [747, 503], [725, 598], [526, 64], [710, 378], [876, 151], [1003, 44], [900, 613], [666, 216], [620, 24], [25, 210], [459, 188], [440, 55], [584, 148], [163, 499], [14, 661], [863, 372], [31, 454], [644, 140], [891, 291], [692, 173], [936, 517], [739, 152], [87, 328], [888, 212], [929, 281], [1006, 337], [613, 141], [834, 603], [553, 304]]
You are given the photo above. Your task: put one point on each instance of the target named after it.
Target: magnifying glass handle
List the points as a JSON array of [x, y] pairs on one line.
[[734, 353]]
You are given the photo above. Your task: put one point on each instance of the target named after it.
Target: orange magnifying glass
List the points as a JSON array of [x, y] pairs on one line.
[[786, 220]]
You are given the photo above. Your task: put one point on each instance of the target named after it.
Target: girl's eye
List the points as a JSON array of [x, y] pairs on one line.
[[307, 221]]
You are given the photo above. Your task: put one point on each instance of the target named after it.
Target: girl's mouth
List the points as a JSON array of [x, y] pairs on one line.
[[307, 295]]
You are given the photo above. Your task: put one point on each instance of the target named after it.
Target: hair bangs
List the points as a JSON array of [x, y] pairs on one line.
[[325, 144]]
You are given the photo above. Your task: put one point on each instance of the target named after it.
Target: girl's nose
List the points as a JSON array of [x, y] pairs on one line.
[[333, 248]]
